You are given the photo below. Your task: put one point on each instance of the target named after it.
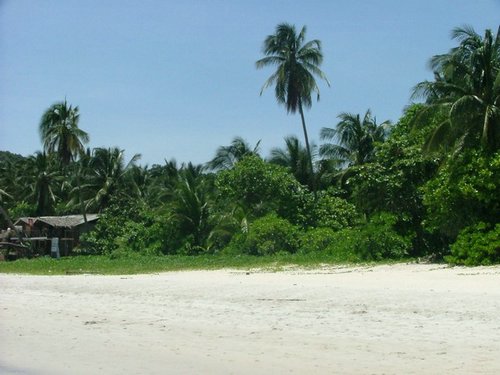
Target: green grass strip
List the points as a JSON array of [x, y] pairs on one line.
[[143, 264]]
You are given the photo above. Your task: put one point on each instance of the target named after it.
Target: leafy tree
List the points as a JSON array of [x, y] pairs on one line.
[[226, 156], [330, 211], [467, 85], [297, 63], [261, 188], [60, 133]]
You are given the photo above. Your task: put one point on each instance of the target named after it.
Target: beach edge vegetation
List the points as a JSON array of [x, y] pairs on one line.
[[426, 186]]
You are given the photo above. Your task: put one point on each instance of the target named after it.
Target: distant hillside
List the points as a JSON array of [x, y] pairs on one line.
[[9, 157]]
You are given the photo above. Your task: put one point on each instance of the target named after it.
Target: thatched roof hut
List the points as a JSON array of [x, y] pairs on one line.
[[68, 221], [40, 230]]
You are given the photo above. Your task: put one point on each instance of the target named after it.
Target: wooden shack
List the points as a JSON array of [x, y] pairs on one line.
[[40, 231]]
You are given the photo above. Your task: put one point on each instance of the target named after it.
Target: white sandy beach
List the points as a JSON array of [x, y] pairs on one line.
[[398, 319]]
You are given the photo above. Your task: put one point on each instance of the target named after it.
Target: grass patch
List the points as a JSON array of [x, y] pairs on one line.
[[145, 264]]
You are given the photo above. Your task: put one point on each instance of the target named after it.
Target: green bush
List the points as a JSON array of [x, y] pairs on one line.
[[375, 240], [326, 241], [317, 240], [267, 235], [476, 245], [346, 245], [120, 229], [140, 238], [236, 246], [22, 209], [465, 191], [101, 240]]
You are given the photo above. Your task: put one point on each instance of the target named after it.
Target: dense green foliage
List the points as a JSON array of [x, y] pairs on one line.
[[429, 185], [467, 86], [375, 240], [355, 138], [476, 245]]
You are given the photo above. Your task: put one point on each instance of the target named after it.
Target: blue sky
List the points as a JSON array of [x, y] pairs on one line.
[[177, 79]]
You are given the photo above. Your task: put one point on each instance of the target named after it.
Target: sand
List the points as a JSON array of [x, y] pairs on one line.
[[394, 319]]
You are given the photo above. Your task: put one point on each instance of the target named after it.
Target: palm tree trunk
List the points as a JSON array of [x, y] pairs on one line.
[[308, 148], [82, 206]]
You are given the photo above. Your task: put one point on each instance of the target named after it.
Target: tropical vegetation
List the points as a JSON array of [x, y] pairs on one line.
[[426, 186]]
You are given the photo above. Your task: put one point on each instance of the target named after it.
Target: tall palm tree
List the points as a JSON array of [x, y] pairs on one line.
[[297, 63], [42, 180], [467, 85], [108, 178], [294, 157], [355, 138], [226, 156], [60, 132]]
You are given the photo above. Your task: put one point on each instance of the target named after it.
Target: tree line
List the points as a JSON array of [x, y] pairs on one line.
[[425, 186]]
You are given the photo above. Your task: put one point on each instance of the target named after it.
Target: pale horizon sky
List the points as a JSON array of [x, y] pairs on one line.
[[177, 79]]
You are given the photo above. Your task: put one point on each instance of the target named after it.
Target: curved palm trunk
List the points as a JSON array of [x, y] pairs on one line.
[[308, 148]]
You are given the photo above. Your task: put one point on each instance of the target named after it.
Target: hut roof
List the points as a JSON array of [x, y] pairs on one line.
[[68, 221]]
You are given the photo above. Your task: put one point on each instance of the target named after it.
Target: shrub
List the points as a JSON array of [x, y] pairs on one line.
[[317, 240], [140, 238], [121, 229], [236, 246], [268, 235], [476, 245], [22, 209], [376, 240], [465, 191]]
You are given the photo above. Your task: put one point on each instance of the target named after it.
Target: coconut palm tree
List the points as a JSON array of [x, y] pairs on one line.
[[355, 138], [191, 210], [294, 157], [164, 181], [108, 177], [60, 133], [467, 85], [226, 156], [297, 63], [43, 181]]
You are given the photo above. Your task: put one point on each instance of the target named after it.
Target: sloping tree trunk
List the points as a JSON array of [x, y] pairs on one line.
[[308, 148]]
